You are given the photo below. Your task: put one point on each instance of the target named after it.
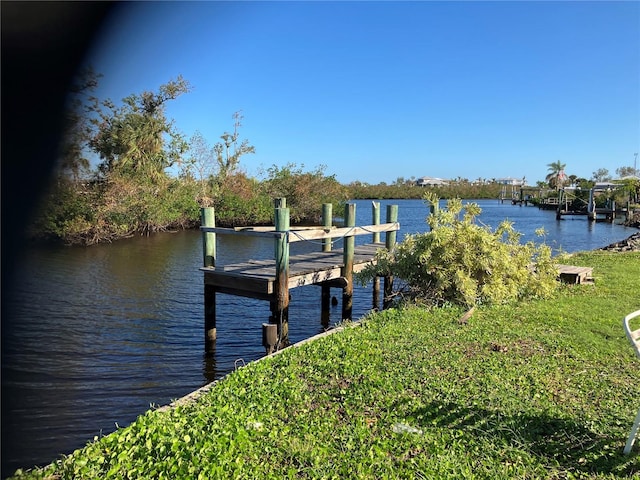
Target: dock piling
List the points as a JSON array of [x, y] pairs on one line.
[[375, 217], [208, 219], [269, 337], [390, 241], [347, 269], [280, 309], [325, 301], [327, 223]]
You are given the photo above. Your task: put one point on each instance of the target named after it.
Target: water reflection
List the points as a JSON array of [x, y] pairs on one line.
[[209, 366]]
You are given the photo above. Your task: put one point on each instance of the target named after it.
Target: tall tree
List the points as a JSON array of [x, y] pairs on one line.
[[229, 151], [136, 138], [556, 175], [202, 159], [201, 156], [601, 175], [627, 172]]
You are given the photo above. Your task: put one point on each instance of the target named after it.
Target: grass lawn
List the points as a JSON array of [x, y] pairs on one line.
[[542, 389]]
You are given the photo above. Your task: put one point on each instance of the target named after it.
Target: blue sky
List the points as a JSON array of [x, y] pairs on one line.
[[380, 90]]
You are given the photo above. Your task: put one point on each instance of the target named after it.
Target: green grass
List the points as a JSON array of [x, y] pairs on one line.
[[542, 389]]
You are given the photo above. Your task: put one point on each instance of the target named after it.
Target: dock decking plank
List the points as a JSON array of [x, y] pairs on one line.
[[257, 276], [574, 274]]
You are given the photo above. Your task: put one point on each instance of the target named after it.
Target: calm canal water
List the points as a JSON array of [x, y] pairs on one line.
[[94, 336]]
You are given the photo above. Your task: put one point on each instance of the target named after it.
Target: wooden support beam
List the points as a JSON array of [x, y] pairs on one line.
[[326, 275], [225, 282], [325, 296], [327, 223], [302, 234], [280, 313], [390, 241], [375, 219], [347, 269], [339, 282], [269, 337], [208, 219], [318, 234], [210, 332], [325, 304]]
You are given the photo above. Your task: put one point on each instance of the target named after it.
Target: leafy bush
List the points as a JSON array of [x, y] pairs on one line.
[[463, 263], [240, 201], [305, 191], [65, 212]]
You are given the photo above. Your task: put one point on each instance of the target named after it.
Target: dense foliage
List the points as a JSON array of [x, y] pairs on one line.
[[409, 190], [149, 178], [305, 191], [538, 389], [464, 263], [113, 208], [132, 191]]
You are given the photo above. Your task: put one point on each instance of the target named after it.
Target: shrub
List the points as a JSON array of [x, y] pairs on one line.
[[305, 191], [65, 212], [463, 263], [240, 201]]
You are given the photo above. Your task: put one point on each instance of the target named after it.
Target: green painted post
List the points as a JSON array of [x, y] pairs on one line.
[[325, 296], [433, 207], [208, 219], [347, 269], [392, 217], [327, 223], [281, 307], [390, 241], [375, 219]]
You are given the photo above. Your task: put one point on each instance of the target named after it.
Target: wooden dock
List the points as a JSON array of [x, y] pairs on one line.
[[272, 279], [257, 278], [568, 196]]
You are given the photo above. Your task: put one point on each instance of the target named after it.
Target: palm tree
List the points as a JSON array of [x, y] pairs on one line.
[[556, 175]]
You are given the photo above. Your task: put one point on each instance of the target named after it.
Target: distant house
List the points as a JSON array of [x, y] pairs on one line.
[[605, 185], [516, 182], [431, 182]]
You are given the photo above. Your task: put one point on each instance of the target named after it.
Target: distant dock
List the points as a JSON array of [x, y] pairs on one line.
[[568, 201]]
